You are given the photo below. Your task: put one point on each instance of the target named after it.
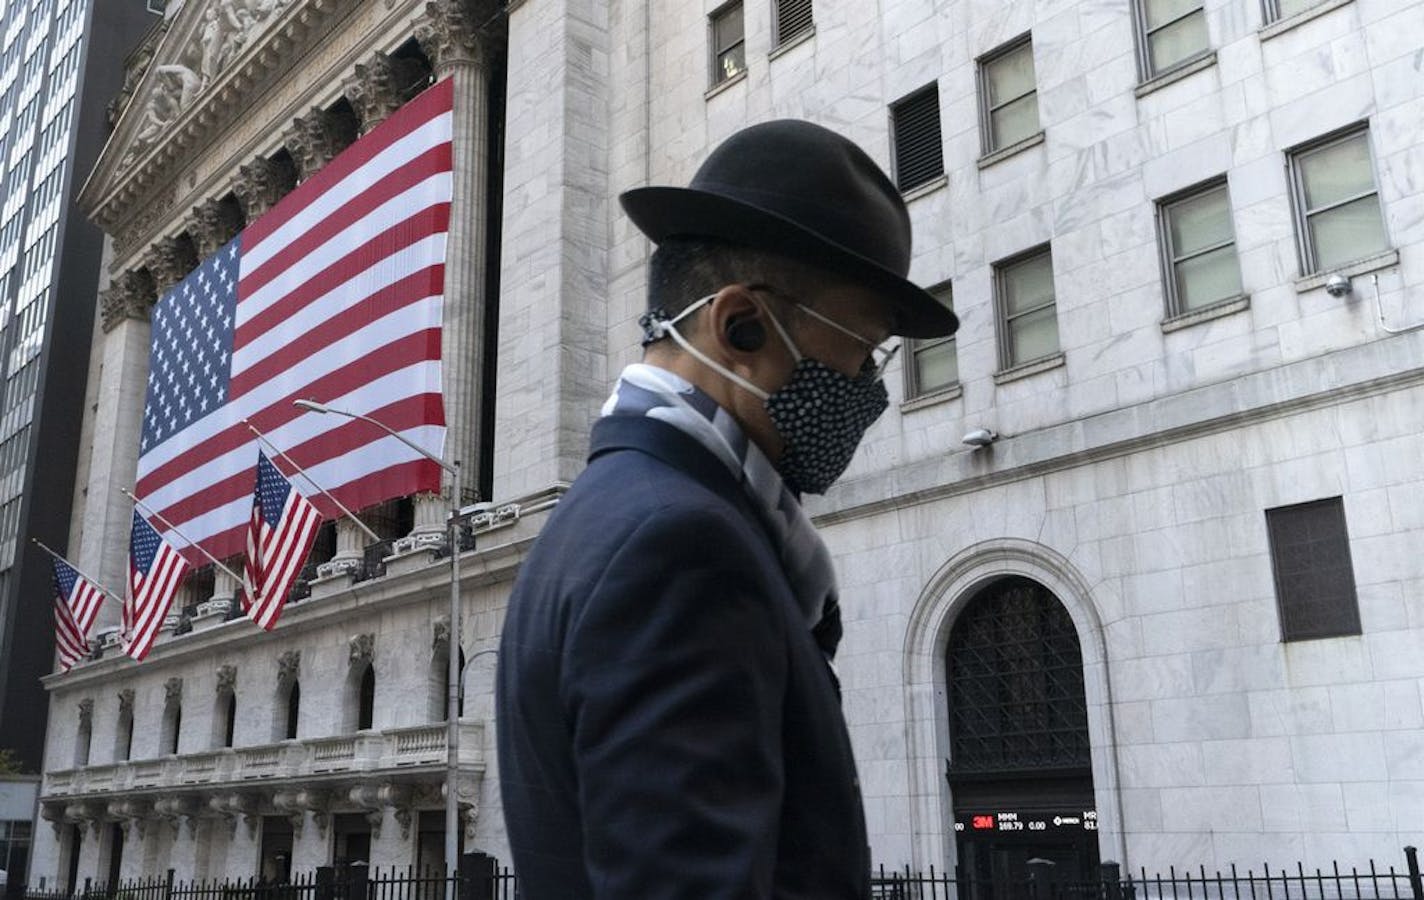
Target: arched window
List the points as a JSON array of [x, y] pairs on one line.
[[123, 734], [293, 708], [366, 699], [85, 733], [225, 719], [438, 683], [172, 725]]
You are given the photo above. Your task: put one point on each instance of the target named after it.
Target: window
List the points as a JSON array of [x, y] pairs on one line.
[[729, 52], [1198, 248], [1169, 33], [1284, 9], [792, 18], [1315, 581], [172, 724], [294, 704], [1336, 203], [934, 362], [225, 719], [1028, 316], [85, 733], [366, 699], [919, 151], [1007, 96], [123, 730]]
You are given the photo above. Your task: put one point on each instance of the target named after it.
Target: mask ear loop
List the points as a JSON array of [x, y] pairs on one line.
[[667, 328]]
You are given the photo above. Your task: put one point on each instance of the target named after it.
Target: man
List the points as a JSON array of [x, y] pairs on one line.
[[669, 719]]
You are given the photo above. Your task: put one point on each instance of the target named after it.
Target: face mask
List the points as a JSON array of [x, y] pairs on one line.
[[820, 413]]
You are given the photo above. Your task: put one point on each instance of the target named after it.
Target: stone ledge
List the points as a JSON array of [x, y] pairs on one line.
[[924, 190], [724, 84], [1175, 74], [1283, 25], [988, 159], [933, 398], [1349, 270], [1206, 314], [795, 41], [1024, 370]]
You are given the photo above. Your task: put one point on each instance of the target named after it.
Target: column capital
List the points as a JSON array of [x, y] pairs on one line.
[[452, 33], [261, 183], [129, 296], [289, 666], [380, 85], [173, 691], [169, 260], [214, 224], [316, 138]]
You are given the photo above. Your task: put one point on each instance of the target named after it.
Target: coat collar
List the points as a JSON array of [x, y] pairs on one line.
[[667, 443]]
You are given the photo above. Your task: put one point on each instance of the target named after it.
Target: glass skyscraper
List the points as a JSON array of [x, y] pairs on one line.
[[51, 128]]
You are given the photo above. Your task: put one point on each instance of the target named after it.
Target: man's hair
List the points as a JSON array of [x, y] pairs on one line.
[[684, 270]]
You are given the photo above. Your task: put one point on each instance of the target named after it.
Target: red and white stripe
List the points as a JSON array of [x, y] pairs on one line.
[[150, 598], [339, 300], [73, 619], [275, 556]]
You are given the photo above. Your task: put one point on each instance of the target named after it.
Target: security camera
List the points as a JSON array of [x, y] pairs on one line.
[[980, 437], [1337, 285]]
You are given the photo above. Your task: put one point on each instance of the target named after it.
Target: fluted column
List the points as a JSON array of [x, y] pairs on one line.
[[316, 139], [260, 184], [451, 37], [118, 417], [214, 224], [380, 86]]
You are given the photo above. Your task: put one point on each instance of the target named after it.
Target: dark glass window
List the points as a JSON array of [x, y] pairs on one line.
[[919, 152], [1315, 580], [294, 702], [365, 712], [729, 52], [1015, 673]]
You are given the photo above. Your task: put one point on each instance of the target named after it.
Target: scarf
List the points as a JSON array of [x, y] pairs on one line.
[[644, 390]]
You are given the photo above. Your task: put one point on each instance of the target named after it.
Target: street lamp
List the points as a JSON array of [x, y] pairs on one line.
[[452, 686]]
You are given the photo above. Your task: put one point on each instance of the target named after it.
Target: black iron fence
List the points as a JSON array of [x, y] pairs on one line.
[[482, 878]]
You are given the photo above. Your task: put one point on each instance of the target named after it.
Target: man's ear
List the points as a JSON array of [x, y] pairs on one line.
[[736, 323]]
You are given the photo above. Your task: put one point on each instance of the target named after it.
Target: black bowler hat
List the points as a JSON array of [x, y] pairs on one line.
[[798, 189]]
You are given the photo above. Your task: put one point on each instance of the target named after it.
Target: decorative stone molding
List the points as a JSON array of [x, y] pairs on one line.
[[172, 691], [297, 803], [380, 86], [214, 224], [452, 33], [362, 648], [289, 666], [129, 296], [227, 679], [261, 183], [318, 137], [440, 638], [237, 806], [126, 702], [86, 711], [170, 260]]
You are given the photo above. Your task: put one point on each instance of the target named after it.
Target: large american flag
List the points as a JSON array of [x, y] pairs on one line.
[[76, 604], [334, 295], [279, 536], [155, 572]]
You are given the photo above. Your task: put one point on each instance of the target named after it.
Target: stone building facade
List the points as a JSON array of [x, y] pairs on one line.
[[1162, 610]]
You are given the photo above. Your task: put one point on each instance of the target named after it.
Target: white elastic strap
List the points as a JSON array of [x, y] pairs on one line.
[[712, 364]]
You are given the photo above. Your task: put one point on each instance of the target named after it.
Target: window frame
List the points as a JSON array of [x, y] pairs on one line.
[[1352, 625], [986, 111], [1145, 69], [777, 41], [1306, 251], [913, 346], [1271, 11], [1167, 255], [715, 54], [895, 169], [1001, 318]]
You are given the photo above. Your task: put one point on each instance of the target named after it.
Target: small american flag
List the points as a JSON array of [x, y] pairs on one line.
[[279, 537], [334, 296], [76, 604], [155, 571]]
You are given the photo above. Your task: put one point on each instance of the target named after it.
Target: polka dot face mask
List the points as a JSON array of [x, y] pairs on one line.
[[820, 413]]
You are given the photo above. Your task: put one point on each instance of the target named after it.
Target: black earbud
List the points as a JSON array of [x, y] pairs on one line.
[[747, 335]]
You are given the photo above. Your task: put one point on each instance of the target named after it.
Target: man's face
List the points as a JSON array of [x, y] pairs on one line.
[[843, 326]]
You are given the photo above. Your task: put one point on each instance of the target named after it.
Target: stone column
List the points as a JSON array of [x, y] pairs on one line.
[[214, 224], [380, 86], [260, 184], [451, 36], [118, 417], [316, 139], [169, 261]]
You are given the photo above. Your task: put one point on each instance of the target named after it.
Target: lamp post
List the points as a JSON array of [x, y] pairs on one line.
[[452, 686]]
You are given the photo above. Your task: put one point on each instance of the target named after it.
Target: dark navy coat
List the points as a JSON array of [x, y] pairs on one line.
[[667, 726]]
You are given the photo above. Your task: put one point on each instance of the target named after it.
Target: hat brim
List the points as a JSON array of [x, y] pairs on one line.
[[670, 212]]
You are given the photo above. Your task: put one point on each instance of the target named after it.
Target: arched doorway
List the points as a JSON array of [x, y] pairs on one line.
[[1019, 771]]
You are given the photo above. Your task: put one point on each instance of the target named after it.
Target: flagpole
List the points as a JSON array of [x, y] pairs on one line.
[[191, 543], [107, 593], [313, 482]]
